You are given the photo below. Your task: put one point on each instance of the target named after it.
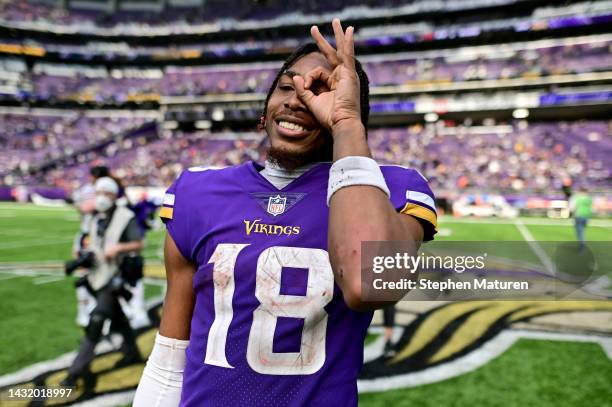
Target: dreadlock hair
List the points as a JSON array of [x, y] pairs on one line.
[[308, 48]]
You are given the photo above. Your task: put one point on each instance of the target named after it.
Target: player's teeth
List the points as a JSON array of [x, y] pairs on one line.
[[291, 126]]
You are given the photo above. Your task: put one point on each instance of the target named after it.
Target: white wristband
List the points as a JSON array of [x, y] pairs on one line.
[[349, 171], [162, 379]]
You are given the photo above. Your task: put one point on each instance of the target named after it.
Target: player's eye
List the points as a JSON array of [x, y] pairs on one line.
[[285, 87], [319, 87]]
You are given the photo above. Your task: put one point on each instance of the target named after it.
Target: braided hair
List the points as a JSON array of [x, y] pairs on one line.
[[308, 48]]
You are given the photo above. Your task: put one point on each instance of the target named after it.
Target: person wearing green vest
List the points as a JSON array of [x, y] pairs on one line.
[[581, 205]]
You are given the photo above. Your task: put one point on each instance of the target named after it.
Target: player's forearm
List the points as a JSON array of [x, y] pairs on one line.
[[358, 213], [130, 246], [350, 140], [180, 298]]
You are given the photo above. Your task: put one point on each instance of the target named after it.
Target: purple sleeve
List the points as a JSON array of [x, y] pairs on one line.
[[411, 195], [175, 214]]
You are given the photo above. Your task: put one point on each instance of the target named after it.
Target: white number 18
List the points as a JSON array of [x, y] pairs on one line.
[[273, 304]]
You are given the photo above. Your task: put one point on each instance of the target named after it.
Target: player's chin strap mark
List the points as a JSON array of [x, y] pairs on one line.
[[349, 171]]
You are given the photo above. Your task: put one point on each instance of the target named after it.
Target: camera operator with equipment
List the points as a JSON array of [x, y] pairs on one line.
[[113, 259]]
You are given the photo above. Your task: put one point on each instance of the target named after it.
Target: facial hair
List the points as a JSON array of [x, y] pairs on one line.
[[291, 160]]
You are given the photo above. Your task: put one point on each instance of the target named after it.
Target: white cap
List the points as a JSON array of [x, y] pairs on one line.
[[107, 184]]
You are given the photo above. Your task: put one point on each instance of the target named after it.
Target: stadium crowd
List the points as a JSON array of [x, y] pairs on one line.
[[518, 158], [30, 141], [522, 157], [65, 82], [31, 11]]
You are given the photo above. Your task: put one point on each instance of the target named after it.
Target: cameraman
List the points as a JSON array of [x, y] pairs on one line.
[[115, 239], [84, 200]]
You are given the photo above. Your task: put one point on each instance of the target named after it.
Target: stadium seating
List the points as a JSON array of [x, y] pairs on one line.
[[111, 87], [519, 158], [30, 141], [32, 11]]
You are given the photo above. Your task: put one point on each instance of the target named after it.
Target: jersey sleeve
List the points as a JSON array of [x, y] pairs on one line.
[[175, 214], [411, 195]]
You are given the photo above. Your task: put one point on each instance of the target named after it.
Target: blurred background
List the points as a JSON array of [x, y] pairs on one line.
[[504, 105]]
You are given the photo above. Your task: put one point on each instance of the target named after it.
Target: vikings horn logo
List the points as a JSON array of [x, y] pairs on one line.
[[454, 338], [442, 341]]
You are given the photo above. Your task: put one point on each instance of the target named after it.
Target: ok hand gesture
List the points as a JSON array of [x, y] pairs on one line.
[[341, 103]]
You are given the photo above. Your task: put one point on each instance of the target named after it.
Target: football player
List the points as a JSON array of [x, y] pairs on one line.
[[264, 303]]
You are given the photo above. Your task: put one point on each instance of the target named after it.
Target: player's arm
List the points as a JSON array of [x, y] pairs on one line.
[[161, 381], [180, 299], [361, 213], [131, 241], [357, 212]]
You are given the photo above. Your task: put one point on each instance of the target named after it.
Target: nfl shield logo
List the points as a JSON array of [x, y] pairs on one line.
[[276, 205]]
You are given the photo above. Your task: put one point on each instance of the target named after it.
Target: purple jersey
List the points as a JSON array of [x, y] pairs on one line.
[[270, 326]]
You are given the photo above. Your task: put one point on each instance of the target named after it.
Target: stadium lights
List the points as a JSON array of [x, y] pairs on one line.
[[218, 115], [520, 113], [170, 125], [431, 117], [203, 124]]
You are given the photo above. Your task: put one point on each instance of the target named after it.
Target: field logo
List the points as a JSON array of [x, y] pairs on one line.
[[441, 342], [454, 338]]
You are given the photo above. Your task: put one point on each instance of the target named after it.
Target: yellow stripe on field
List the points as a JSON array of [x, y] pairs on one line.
[[128, 376], [474, 327], [433, 325], [547, 307], [155, 271]]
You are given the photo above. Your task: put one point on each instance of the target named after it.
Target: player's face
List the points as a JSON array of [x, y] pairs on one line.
[[292, 128]]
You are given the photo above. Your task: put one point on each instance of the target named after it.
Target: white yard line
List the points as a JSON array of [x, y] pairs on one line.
[[30, 207], [527, 221], [48, 279], [28, 273], [11, 265], [535, 247]]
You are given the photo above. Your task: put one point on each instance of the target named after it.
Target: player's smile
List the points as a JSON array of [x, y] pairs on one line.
[[293, 127]]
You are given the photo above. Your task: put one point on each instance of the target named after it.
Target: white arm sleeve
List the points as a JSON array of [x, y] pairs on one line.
[[162, 378]]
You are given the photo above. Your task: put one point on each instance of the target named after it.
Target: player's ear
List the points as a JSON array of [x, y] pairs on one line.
[[262, 122]]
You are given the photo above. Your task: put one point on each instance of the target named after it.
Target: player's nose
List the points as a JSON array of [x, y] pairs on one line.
[[293, 102]]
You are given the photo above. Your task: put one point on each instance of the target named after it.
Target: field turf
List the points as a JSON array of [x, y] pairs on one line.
[[38, 311]]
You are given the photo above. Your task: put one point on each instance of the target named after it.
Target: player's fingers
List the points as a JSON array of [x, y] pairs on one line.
[[317, 74], [339, 35], [324, 46], [349, 47], [302, 93]]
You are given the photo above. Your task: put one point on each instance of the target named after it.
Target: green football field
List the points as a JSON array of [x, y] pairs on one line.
[[37, 304]]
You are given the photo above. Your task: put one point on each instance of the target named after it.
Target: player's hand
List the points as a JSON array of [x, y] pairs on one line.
[[111, 252], [339, 103]]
